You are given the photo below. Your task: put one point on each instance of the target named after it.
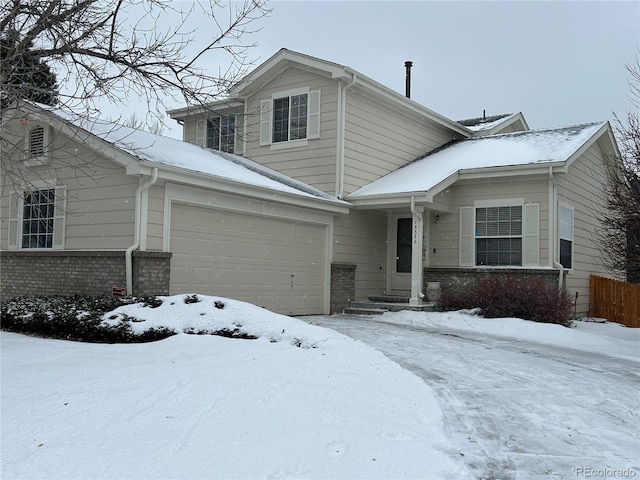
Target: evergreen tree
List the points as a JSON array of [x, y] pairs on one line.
[[24, 75]]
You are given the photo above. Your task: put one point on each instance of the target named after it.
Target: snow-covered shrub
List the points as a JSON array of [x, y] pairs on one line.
[[498, 296], [75, 318]]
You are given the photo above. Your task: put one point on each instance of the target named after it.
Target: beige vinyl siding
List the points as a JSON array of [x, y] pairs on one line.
[[581, 188], [445, 233], [100, 199], [155, 218], [379, 139], [361, 239], [315, 163]]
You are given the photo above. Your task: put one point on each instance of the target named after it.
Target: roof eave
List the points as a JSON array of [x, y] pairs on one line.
[[184, 112], [586, 145], [512, 170], [282, 59], [204, 180], [85, 137]]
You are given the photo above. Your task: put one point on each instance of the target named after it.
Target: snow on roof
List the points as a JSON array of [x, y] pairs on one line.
[[175, 153], [510, 149], [485, 123]]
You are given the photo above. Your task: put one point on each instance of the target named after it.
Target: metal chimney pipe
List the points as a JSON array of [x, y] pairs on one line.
[[407, 91]]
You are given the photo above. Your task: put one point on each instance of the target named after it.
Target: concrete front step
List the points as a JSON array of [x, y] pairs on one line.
[[376, 308], [363, 311], [389, 299]]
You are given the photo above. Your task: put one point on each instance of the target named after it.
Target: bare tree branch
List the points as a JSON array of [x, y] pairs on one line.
[[105, 51], [621, 217]]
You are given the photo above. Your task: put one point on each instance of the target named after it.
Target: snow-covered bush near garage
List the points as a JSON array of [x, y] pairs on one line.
[[145, 319], [500, 296], [76, 318]]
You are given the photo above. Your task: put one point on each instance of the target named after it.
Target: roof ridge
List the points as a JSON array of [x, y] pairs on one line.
[[539, 130]]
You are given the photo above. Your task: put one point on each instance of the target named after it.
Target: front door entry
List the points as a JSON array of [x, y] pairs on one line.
[[400, 253]]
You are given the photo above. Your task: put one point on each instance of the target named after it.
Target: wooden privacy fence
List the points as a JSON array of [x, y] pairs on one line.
[[614, 300]]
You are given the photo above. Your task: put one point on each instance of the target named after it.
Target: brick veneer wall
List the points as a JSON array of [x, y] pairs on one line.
[[343, 286], [452, 279], [24, 273]]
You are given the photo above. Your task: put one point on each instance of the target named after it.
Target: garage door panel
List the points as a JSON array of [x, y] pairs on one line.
[[249, 258]]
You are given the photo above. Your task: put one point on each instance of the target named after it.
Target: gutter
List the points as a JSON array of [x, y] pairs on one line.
[[553, 227], [342, 111], [136, 229]]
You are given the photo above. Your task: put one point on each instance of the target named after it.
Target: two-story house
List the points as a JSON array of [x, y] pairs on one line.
[[313, 185]]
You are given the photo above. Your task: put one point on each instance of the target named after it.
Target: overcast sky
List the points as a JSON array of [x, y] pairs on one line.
[[560, 63]]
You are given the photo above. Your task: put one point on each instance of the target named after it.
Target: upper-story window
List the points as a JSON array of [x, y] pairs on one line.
[[290, 118], [221, 133], [218, 133]]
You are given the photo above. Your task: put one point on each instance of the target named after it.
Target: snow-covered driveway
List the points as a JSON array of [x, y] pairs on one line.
[[519, 409]]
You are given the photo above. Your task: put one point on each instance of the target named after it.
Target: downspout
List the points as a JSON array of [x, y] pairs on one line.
[[553, 227], [136, 229], [342, 112]]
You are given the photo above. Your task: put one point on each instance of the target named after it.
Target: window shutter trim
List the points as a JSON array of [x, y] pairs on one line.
[[14, 219], [531, 235], [265, 122], [201, 133], [313, 124], [466, 237], [59, 218]]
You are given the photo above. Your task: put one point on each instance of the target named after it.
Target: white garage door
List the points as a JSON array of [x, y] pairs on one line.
[[276, 264]]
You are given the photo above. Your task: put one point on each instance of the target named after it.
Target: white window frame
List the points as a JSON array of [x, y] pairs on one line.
[[498, 204], [313, 118], [530, 232], [563, 234], [16, 225], [202, 132], [41, 158]]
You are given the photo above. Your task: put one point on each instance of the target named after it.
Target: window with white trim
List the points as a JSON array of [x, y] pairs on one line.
[[218, 133], [221, 133], [498, 236], [565, 235], [290, 117], [37, 217]]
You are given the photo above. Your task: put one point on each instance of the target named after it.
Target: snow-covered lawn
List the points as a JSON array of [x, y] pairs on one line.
[[300, 401], [205, 407]]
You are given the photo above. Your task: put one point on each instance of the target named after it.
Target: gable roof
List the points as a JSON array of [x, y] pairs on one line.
[[285, 58], [171, 155], [481, 123], [430, 174], [494, 124]]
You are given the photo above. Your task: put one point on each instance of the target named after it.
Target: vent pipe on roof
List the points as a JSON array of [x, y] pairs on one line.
[[407, 91]]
